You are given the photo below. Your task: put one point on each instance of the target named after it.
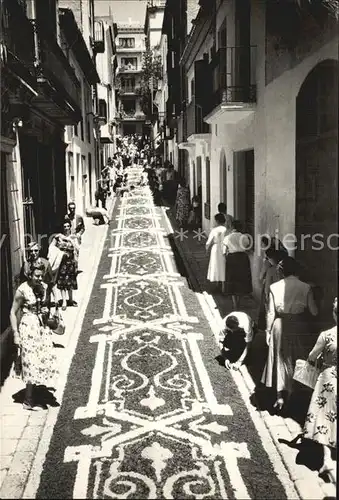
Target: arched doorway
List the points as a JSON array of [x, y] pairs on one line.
[[223, 178], [317, 177]]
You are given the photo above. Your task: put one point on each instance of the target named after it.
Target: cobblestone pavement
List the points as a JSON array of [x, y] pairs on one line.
[[111, 422]]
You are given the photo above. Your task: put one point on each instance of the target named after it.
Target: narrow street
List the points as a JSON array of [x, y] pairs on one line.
[[146, 411]]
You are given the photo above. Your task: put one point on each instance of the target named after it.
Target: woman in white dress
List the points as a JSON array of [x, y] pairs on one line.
[[216, 267], [287, 332]]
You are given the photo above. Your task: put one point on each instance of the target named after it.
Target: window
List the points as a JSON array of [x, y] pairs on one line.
[[192, 89], [75, 130], [128, 105], [90, 173], [82, 129], [46, 14], [71, 177], [127, 43], [6, 275], [207, 206], [173, 59], [88, 131], [244, 188], [102, 109], [128, 84], [222, 34], [129, 63]]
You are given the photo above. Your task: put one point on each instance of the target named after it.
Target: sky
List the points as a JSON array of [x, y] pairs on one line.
[[122, 10]]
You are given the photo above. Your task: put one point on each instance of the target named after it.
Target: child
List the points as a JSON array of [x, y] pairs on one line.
[[216, 267]]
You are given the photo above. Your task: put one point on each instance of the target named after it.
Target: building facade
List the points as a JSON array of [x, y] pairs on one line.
[[130, 46], [80, 139], [258, 124], [155, 15], [107, 65], [40, 95]]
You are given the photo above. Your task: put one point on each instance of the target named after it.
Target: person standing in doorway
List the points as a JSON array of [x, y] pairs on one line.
[[76, 221]]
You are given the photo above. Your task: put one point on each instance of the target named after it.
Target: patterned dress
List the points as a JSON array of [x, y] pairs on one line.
[[182, 205], [68, 270], [37, 352], [321, 419]]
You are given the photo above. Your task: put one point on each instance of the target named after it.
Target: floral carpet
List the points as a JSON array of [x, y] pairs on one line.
[[147, 412]]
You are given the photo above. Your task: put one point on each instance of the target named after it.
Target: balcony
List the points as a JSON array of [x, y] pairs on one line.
[[171, 119], [99, 38], [194, 119], [128, 68], [131, 115], [130, 90], [18, 38], [234, 95], [59, 89]]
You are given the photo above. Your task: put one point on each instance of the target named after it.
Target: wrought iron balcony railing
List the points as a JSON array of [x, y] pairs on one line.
[[124, 68], [56, 76], [18, 37], [234, 75]]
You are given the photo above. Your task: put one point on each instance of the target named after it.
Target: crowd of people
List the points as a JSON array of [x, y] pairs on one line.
[[286, 309]]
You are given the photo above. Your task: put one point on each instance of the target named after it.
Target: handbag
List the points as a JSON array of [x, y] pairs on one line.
[[305, 373], [56, 323]]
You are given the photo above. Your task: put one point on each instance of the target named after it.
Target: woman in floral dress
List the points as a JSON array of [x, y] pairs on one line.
[[68, 270], [182, 204], [321, 419], [32, 337]]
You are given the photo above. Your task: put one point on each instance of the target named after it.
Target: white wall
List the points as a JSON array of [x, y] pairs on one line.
[[155, 25], [81, 148], [271, 132]]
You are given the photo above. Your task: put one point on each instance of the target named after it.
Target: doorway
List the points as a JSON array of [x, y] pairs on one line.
[[198, 174], [244, 197], [317, 178], [6, 274]]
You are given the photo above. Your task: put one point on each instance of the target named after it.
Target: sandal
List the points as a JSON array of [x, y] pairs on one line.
[[64, 307]]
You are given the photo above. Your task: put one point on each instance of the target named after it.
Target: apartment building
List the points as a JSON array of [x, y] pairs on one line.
[[258, 124], [40, 95], [80, 138], [130, 47], [107, 105]]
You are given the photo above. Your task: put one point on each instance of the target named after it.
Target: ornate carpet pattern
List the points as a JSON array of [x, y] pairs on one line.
[[147, 412]]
